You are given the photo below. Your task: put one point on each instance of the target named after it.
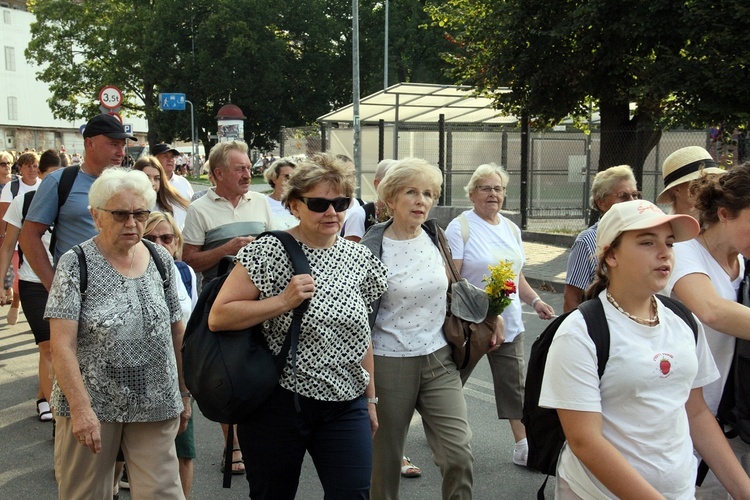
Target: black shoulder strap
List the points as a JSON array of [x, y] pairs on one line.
[[596, 324], [28, 197], [301, 265], [83, 268], [15, 185], [67, 178], [157, 261]]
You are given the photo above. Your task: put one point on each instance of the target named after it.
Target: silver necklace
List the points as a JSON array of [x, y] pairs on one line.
[[132, 260], [641, 321]]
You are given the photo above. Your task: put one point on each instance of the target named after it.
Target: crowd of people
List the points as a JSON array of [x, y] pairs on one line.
[[112, 259]]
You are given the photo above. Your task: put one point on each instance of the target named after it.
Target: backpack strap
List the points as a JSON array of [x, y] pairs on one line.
[[464, 227], [67, 179], [27, 198], [15, 185], [83, 268], [300, 265], [592, 311], [158, 262], [187, 278]]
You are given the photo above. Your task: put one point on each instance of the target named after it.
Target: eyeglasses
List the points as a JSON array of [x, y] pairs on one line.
[[625, 196], [489, 189], [4, 163], [124, 215], [167, 239], [320, 205]]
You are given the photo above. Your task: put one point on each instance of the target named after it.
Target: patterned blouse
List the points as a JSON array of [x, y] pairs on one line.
[[125, 348], [335, 333]]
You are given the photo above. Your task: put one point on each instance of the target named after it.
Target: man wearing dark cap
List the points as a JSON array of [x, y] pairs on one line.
[[104, 146], [166, 156]]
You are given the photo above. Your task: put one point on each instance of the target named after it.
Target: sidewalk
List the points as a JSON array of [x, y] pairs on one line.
[[546, 265]]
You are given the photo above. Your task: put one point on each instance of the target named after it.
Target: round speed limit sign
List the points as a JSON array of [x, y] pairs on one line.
[[110, 97]]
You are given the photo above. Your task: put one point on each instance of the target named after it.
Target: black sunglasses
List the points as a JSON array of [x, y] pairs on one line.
[[320, 205], [167, 239], [124, 215]]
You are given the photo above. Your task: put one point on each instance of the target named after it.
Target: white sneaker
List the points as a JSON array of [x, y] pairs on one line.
[[521, 452]]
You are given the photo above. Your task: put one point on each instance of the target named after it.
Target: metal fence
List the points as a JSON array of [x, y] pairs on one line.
[[562, 164]]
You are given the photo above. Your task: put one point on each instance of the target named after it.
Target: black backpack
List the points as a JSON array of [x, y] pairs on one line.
[[227, 386], [543, 429], [231, 373]]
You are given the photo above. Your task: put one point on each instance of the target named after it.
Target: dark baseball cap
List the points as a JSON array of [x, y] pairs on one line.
[[106, 125], [162, 148]]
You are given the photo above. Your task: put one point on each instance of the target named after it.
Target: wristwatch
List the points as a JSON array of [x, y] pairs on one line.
[[372, 401]]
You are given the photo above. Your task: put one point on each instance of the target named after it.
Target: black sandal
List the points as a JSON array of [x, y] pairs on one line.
[[235, 472]]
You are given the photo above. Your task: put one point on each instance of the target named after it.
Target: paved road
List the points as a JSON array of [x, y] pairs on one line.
[[26, 470]]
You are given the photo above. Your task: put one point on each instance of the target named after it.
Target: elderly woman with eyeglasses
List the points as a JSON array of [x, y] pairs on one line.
[[116, 337], [482, 237], [332, 377], [614, 185]]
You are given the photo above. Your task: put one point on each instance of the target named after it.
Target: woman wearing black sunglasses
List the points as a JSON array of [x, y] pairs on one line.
[[333, 380], [116, 350]]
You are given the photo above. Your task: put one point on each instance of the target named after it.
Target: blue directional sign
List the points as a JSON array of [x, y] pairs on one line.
[[128, 128], [172, 101]]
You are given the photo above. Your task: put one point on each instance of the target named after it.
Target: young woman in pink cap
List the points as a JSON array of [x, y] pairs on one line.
[[631, 433]]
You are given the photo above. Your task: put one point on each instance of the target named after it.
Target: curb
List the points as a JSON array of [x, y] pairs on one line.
[[558, 240], [545, 285]]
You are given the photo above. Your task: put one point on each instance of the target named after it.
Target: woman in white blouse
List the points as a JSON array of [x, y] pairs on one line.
[[413, 365]]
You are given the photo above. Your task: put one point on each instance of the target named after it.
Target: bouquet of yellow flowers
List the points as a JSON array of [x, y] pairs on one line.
[[500, 286]]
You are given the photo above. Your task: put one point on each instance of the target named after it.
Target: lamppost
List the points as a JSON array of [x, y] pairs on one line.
[[357, 153], [385, 50]]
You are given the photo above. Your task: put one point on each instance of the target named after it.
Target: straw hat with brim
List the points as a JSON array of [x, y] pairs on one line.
[[641, 214], [685, 165]]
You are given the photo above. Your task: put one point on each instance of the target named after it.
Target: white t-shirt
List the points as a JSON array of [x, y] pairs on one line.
[[489, 244], [355, 222], [6, 196], [182, 186], [690, 258], [179, 214], [412, 311], [14, 216], [282, 218], [641, 395]]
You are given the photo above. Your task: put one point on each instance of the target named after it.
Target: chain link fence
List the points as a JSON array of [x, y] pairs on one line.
[[562, 164]]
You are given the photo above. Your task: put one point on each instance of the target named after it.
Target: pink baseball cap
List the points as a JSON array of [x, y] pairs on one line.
[[641, 214]]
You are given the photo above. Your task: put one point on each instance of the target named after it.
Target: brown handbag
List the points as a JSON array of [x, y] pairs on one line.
[[466, 328]]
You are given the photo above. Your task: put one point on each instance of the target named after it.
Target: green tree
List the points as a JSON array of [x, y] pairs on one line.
[[278, 66], [677, 61]]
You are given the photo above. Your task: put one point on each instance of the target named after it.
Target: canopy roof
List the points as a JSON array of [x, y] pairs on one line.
[[421, 103]]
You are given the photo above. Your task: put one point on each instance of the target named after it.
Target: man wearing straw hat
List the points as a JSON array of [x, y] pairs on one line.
[[681, 167]]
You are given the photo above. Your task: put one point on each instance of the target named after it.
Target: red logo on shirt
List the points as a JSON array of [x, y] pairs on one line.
[[664, 363]]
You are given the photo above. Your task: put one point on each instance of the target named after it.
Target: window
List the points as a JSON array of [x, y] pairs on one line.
[[12, 108], [10, 59], [6, 16]]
